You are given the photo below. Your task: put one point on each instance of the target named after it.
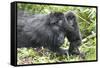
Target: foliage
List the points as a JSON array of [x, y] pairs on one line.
[[87, 22]]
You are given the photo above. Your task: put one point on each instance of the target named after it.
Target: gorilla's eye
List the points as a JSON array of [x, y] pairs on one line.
[[70, 17]]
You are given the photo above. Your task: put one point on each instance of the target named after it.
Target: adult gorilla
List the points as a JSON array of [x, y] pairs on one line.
[[48, 30]]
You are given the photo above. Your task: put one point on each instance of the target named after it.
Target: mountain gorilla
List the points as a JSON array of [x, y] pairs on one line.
[[74, 36], [48, 30]]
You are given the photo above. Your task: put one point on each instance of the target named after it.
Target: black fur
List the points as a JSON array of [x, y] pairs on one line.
[[48, 30], [74, 37]]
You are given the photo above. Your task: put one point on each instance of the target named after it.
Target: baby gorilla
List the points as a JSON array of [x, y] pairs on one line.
[[48, 30], [74, 36]]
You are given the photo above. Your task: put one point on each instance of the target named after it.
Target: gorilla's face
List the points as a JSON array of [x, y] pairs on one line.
[[58, 21], [70, 16]]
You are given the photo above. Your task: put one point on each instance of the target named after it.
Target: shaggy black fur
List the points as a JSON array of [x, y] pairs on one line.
[[48, 30]]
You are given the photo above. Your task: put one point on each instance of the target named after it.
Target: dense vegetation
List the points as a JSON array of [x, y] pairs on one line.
[[87, 23]]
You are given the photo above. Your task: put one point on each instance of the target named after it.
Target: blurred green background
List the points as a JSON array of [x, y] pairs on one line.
[[87, 23]]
